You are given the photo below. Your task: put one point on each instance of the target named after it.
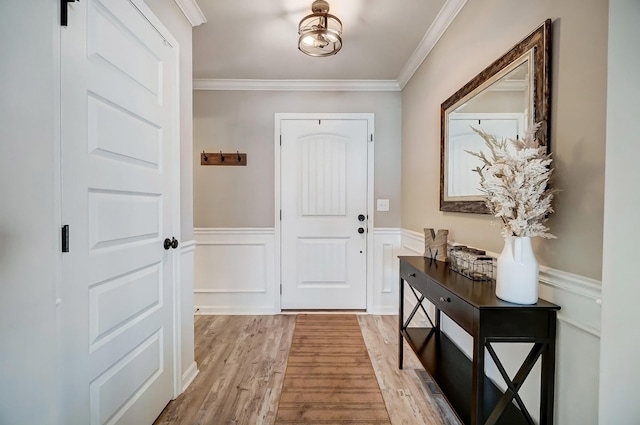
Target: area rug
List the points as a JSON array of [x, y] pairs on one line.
[[329, 378]]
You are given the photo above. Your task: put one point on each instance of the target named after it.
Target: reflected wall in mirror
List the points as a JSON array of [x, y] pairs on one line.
[[505, 99]]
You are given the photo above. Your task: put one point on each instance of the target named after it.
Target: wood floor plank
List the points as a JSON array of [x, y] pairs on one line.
[[408, 401], [242, 362]]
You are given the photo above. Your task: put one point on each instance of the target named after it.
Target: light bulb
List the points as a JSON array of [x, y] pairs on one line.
[[308, 40]]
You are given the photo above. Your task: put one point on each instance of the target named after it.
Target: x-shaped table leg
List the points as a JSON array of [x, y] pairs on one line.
[[415, 309], [513, 386]]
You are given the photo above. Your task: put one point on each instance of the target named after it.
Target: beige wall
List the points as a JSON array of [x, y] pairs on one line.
[[244, 121], [481, 33]]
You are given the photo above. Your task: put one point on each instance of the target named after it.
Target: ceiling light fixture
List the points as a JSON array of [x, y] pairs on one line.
[[320, 33]]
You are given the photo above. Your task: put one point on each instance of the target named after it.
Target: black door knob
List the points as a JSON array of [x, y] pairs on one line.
[[360, 230], [361, 217], [167, 243], [174, 243]]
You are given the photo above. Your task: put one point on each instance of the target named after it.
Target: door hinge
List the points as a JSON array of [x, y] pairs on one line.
[[65, 238], [64, 14], [280, 215], [371, 138], [281, 289], [281, 140]]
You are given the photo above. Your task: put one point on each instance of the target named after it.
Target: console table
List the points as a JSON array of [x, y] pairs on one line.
[[475, 307]]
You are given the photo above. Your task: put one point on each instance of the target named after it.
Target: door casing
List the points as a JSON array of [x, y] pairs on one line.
[[279, 117]]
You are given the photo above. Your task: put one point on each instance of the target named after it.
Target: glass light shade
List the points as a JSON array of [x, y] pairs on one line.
[[320, 34]]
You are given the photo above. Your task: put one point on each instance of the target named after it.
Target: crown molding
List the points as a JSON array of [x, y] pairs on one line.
[[446, 15], [296, 85], [192, 11]]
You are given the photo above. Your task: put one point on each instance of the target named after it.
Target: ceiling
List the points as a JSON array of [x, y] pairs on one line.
[[383, 40]]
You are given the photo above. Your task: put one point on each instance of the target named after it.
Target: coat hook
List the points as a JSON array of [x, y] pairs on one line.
[[204, 155], [221, 157], [239, 157]]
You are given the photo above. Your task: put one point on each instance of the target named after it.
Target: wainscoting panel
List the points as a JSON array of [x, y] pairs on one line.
[[386, 245], [235, 271]]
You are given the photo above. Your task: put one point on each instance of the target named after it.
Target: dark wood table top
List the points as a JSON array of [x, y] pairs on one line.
[[480, 294]]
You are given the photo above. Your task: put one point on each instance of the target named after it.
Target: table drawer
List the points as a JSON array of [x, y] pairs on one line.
[[451, 305], [414, 278]]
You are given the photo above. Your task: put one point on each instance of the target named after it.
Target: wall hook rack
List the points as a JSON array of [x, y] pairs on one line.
[[223, 158]]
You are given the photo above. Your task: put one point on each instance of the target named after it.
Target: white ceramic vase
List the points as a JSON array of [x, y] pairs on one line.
[[517, 277]]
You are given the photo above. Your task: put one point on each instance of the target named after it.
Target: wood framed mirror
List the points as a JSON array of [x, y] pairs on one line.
[[506, 98]]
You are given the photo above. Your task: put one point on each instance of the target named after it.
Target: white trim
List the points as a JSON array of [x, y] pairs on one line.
[[439, 25], [230, 311], [187, 247], [392, 231], [296, 85], [384, 286], [189, 375], [219, 231], [186, 343], [579, 285], [370, 118], [228, 291], [412, 243], [192, 12]]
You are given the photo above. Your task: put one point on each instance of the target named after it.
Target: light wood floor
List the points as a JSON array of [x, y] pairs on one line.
[[242, 361]]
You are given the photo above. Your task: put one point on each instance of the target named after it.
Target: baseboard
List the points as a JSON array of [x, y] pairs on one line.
[[210, 310], [189, 376], [383, 310]]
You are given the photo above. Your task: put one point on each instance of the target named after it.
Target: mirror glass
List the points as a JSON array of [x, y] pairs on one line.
[[503, 100]]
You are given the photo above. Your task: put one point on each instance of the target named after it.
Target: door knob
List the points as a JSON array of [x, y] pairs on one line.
[[360, 230], [170, 243], [361, 217]]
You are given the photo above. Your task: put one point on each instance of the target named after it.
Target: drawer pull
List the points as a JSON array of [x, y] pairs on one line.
[[445, 300], [412, 275]]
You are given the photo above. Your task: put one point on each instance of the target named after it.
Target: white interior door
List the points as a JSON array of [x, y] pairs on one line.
[[323, 193], [117, 78], [462, 180]]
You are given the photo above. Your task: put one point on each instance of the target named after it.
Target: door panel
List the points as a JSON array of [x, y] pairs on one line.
[[117, 280], [324, 189]]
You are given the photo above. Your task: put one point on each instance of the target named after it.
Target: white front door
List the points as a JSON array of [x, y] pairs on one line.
[[118, 79], [323, 176]]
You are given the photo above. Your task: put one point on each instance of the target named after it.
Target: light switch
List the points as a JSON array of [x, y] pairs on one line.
[[383, 205]]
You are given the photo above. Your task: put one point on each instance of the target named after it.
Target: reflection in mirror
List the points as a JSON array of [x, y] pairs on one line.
[[500, 109], [503, 100]]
